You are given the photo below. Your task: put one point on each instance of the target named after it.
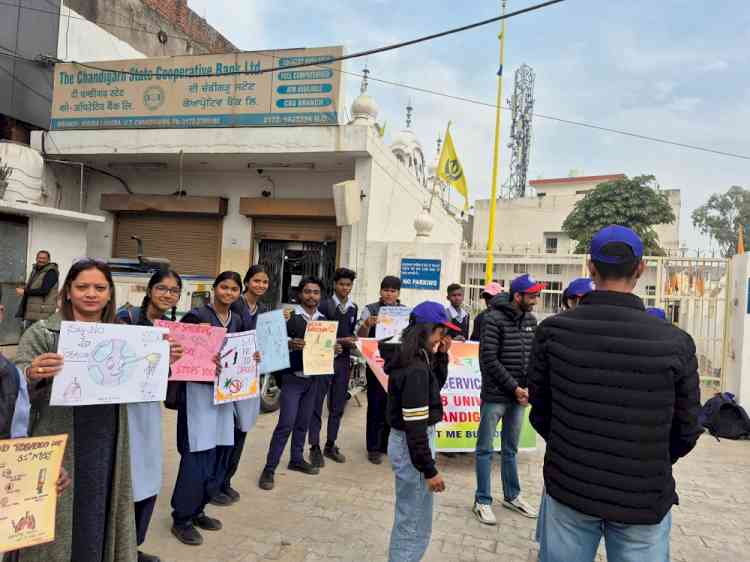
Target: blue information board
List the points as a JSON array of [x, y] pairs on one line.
[[420, 274]]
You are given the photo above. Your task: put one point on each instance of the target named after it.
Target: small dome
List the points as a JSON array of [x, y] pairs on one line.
[[406, 140], [364, 107], [424, 223]]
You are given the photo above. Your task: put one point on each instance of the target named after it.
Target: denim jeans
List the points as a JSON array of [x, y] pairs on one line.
[[490, 415], [566, 534], [412, 525]]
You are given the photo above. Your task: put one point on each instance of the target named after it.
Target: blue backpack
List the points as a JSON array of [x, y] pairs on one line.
[[723, 417]]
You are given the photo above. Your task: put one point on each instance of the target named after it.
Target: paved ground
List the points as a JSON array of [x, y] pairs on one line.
[[345, 513]]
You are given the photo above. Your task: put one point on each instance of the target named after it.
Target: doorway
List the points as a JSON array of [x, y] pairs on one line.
[[14, 233]]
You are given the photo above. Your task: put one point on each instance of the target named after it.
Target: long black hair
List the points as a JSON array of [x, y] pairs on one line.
[[415, 344], [225, 275], [252, 272], [85, 264], [158, 277]]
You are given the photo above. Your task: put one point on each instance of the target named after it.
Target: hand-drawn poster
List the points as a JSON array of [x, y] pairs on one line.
[[391, 321], [238, 379], [29, 469], [200, 344], [271, 337], [320, 341], [368, 348], [110, 364]]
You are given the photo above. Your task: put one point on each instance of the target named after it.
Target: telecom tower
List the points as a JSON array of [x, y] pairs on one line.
[[522, 105]]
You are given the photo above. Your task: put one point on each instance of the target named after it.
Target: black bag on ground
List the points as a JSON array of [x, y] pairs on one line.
[[723, 417]]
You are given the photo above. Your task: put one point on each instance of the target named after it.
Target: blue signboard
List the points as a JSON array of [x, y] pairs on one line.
[[420, 274]]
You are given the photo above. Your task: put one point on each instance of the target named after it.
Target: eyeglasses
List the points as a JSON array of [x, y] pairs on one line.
[[173, 291]]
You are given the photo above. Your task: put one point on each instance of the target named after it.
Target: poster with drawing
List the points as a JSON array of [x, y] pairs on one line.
[[271, 337], [320, 343], [201, 344], [29, 469], [110, 364], [238, 378], [391, 321]]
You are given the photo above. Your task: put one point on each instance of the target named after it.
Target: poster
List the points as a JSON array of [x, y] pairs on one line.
[[110, 364], [461, 398], [272, 341], [238, 379], [320, 340], [420, 274], [29, 469], [391, 321], [201, 344]]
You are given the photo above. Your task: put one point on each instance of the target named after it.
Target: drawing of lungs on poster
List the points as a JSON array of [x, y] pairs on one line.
[[238, 379]]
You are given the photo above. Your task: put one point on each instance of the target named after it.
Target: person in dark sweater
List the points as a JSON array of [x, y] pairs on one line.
[[615, 394], [504, 351], [574, 292], [418, 371], [456, 312], [341, 308], [377, 399], [491, 290]]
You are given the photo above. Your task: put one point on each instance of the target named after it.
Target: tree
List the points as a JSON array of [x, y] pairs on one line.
[[722, 216], [633, 202]]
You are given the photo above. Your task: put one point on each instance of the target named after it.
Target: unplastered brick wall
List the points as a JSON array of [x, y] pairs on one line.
[[186, 20]]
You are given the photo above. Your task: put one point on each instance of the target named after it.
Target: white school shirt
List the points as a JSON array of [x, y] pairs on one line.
[[459, 314], [316, 316]]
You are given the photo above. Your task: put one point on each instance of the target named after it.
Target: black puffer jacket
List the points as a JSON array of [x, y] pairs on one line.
[[9, 385], [614, 392], [504, 350]]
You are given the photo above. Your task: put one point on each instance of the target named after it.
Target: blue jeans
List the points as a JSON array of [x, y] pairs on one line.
[[412, 525], [566, 534], [490, 414]]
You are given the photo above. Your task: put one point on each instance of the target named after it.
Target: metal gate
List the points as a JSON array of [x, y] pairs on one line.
[[13, 249]]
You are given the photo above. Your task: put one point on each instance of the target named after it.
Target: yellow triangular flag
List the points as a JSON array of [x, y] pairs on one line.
[[741, 241], [450, 170]]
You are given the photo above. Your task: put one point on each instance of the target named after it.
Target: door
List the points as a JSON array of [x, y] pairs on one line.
[[14, 233]]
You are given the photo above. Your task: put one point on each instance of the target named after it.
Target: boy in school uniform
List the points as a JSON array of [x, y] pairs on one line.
[[456, 312]]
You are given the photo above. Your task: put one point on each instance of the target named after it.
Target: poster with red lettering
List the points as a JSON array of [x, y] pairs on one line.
[[201, 344]]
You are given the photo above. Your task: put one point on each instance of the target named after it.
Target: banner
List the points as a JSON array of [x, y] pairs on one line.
[[238, 379], [29, 469], [226, 90], [110, 364], [461, 398], [200, 344], [320, 340], [271, 336]]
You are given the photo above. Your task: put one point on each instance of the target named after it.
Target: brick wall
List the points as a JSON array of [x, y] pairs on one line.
[[178, 13]]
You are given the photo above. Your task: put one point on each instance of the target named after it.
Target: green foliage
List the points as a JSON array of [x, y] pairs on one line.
[[722, 216], [632, 202]]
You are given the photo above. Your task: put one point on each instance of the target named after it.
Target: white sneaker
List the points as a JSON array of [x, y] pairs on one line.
[[484, 513], [521, 507]]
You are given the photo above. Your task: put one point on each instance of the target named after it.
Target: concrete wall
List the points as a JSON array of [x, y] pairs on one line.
[[82, 40], [737, 380], [64, 240]]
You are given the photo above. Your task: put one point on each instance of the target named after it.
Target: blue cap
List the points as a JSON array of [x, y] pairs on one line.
[[658, 312], [526, 284], [579, 287], [430, 312], [612, 234]]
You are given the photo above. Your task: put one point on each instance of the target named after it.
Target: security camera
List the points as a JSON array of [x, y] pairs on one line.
[[260, 171]]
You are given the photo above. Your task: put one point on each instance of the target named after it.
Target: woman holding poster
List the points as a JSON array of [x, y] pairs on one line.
[[205, 431], [97, 457], [144, 418]]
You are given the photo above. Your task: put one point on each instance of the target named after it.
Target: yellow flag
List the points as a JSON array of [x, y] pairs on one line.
[[741, 241], [450, 169]]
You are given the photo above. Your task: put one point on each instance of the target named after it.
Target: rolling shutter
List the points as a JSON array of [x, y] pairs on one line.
[[191, 242], [301, 230]]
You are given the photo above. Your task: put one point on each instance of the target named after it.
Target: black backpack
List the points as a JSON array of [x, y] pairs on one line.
[[723, 417]]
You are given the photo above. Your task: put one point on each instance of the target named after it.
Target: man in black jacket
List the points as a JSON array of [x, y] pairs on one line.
[[615, 393], [504, 350]]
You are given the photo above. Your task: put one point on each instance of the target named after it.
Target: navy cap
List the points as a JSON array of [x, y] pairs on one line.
[[658, 312], [526, 284], [430, 312], [615, 234], [579, 287]]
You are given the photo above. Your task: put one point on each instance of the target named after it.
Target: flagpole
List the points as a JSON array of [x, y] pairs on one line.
[[496, 156]]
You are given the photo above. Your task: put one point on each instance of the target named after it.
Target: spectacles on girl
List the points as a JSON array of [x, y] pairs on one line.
[[173, 291]]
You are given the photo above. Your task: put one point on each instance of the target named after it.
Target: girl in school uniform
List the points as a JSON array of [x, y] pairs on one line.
[[144, 419], [247, 307], [205, 432]]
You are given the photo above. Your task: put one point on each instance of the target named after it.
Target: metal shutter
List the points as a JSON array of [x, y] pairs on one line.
[[191, 242], [300, 230]]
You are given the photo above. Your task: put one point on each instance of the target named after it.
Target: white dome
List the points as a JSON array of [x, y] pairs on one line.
[[424, 223], [406, 141], [364, 107]]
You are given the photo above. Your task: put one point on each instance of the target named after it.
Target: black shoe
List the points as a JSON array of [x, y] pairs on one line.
[[304, 467], [333, 453], [143, 557], [316, 457], [188, 534], [221, 499], [266, 480], [207, 523], [375, 457], [232, 493]]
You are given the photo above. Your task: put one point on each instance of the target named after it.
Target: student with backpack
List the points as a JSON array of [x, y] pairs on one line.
[[144, 418], [418, 371]]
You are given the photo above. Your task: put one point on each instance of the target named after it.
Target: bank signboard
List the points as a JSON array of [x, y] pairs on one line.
[[228, 90]]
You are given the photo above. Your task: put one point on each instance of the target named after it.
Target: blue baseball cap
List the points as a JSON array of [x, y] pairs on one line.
[[430, 312], [658, 312], [611, 234], [526, 284], [579, 287]]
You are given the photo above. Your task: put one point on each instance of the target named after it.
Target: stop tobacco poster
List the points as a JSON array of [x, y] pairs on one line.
[[458, 430]]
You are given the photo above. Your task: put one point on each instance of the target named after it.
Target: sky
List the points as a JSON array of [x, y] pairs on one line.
[[673, 69]]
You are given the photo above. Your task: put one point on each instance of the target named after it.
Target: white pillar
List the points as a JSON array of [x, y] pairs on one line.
[[737, 364]]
